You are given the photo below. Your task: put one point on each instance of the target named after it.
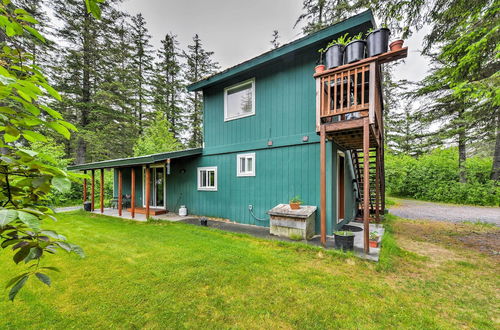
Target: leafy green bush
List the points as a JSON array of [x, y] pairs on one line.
[[435, 177]]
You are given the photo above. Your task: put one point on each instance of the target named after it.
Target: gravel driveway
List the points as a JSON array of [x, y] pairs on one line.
[[412, 209]]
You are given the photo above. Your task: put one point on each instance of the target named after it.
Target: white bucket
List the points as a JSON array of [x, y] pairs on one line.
[[183, 211]]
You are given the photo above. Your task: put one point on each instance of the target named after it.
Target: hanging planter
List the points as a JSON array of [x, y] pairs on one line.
[[377, 41], [354, 51], [396, 45], [344, 240]]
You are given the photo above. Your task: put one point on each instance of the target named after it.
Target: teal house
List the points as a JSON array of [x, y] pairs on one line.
[[273, 130]]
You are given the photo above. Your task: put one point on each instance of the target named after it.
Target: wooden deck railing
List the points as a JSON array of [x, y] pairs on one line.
[[352, 90]]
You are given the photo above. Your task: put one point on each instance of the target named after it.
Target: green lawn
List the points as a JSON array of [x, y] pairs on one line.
[[151, 275]]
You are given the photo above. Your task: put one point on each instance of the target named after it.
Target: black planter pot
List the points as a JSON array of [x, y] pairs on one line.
[[346, 243], [354, 51], [377, 42], [334, 56]]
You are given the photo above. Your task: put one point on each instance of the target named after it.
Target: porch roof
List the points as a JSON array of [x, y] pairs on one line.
[[141, 160]]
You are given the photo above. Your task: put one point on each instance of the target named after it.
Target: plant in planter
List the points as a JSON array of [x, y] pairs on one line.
[[377, 41], [374, 239], [355, 50], [320, 66], [344, 240], [295, 203], [335, 51]]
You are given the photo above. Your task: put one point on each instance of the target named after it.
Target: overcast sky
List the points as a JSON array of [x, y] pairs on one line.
[[237, 30]]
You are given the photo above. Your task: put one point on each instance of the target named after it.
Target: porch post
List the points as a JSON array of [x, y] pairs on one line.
[[120, 192], [148, 192], [92, 191], [322, 184], [101, 197], [366, 183], [84, 187], [132, 193]]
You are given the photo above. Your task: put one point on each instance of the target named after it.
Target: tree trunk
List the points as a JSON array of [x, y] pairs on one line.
[[81, 145], [495, 171], [462, 156]]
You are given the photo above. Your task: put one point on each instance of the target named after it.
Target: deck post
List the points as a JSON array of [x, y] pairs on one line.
[[132, 193], [84, 187], [322, 184], [92, 192], [366, 185], [148, 190], [101, 197], [377, 185], [120, 190]]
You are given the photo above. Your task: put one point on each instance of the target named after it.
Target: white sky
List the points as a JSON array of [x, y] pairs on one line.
[[237, 30]]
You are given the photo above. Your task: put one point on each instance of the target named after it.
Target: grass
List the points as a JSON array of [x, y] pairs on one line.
[[157, 275]]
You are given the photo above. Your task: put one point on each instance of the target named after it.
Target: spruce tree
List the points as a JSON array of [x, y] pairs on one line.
[[199, 65], [142, 55], [168, 85]]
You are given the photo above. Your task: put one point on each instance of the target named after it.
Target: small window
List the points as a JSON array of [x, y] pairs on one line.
[[207, 178], [239, 100], [245, 164]]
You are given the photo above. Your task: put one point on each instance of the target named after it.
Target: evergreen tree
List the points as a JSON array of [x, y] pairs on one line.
[[157, 138], [199, 64], [275, 41], [168, 86], [318, 14], [142, 66], [87, 75], [462, 41]]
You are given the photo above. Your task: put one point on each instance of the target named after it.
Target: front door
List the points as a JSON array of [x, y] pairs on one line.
[[157, 187]]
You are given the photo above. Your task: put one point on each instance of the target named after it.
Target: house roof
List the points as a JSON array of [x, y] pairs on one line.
[[323, 35], [141, 160]]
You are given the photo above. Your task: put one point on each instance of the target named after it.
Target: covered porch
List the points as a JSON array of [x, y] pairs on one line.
[[139, 184]]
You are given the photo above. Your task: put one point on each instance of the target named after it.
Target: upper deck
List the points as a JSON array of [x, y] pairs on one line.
[[348, 94]]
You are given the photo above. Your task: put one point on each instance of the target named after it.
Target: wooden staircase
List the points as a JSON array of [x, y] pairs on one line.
[[375, 200], [349, 112]]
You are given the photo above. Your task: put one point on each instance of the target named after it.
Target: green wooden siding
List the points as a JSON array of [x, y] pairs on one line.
[[281, 173], [126, 187]]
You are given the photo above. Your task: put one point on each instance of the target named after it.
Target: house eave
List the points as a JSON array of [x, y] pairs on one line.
[[325, 34]]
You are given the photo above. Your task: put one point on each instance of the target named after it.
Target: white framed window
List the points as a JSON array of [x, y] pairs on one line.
[[239, 100], [207, 178], [245, 164]]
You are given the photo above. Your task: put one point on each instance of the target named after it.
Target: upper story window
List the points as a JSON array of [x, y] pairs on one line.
[[245, 164], [207, 178], [239, 100]]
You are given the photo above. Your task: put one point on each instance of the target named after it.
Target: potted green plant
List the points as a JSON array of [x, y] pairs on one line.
[[320, 66], [355, 50], [377, 41], [295, 203], [344, 240], [335, 52], [374, 239]]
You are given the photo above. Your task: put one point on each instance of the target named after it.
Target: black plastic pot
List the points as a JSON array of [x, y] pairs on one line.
[[87, 206], [334, 56], [346, 243], [354, 51], [377, 42]]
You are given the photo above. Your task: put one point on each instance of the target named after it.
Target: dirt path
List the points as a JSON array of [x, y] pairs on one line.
[[412, 209]]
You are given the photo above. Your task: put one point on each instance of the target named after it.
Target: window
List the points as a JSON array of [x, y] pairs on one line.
[[207, 178], [239, 100], [245, 164]]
